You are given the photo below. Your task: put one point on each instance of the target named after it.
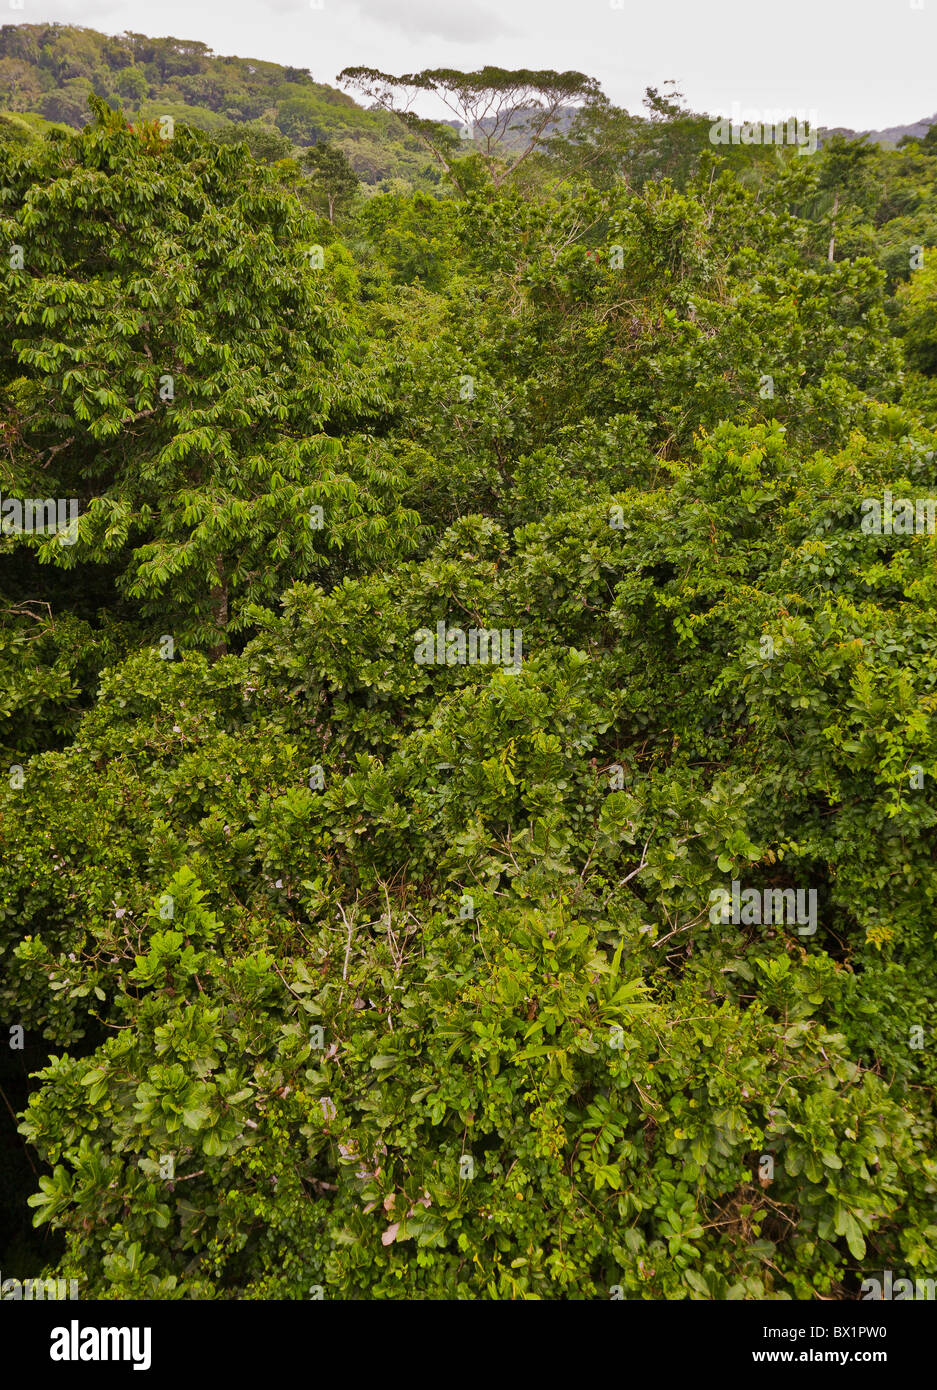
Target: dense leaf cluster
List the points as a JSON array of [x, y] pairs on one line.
[[392, 979]]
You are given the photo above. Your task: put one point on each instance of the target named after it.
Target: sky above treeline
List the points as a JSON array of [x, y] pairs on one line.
[[860, 63]]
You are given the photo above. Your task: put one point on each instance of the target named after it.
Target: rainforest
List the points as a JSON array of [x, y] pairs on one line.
[[341, 957]]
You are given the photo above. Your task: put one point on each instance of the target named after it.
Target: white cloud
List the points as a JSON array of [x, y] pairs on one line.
[[457, 21]]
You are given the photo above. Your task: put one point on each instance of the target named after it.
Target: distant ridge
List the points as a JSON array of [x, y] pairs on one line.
[[890, 136]]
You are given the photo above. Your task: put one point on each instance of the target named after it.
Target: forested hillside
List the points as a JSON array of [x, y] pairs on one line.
[[49, 69], [468, 814]]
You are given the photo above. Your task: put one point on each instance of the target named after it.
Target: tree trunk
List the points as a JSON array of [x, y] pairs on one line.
[[219, 600], [833, 226]]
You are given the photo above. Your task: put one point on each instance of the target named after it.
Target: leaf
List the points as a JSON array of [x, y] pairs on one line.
[[854, 1237]]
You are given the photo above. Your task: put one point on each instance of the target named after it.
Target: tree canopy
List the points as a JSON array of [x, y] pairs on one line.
[[503, 112], [468, 804]]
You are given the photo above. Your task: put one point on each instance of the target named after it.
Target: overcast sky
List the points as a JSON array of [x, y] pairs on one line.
[[859, 63]]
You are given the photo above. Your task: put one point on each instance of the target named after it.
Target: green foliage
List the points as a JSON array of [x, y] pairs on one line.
[[918, 299], [50, 69], [193, 361], [503, 112], [333, 178], [401, 978]]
